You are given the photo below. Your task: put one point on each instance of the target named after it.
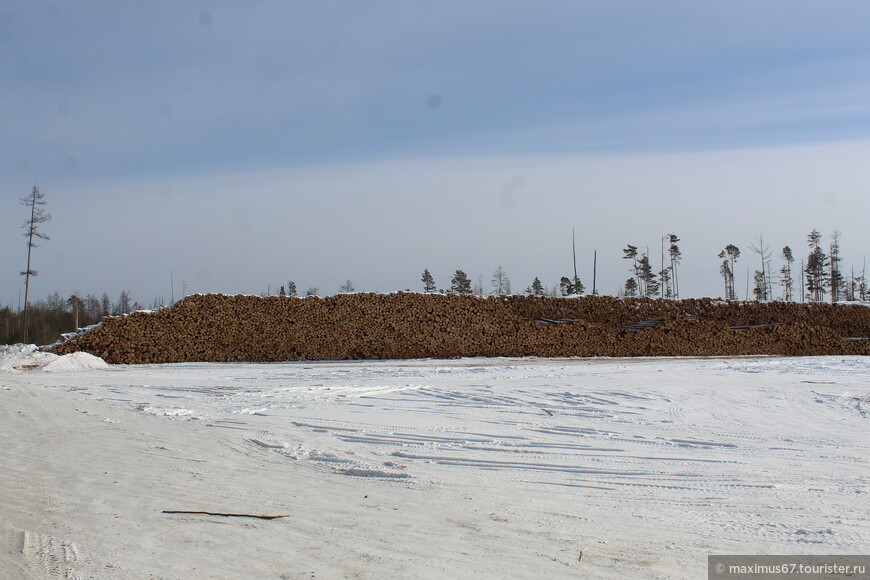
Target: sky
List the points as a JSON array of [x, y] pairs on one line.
[[231, 147]]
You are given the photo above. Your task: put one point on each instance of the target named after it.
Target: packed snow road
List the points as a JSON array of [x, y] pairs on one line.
[[477, 467]]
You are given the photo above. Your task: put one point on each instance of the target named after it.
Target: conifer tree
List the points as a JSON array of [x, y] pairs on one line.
[[727, 277], [837, 279], [760, 287], [536, 289], [816, 268], [787, 280], [649, 284], [630, 253], [571, 286], [729, 255], [666, 287], [631, 287], [851, 290], [291, 288], [675, 256], [460, 283], [428, 282]]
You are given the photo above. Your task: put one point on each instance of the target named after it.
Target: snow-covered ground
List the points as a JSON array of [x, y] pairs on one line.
[[484, 468]]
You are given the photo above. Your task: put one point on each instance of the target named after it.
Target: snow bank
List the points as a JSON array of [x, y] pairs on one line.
[[27, 357], [77, 361], [22, 357]]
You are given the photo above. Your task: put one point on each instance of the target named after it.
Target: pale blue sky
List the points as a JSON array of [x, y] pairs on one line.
[[244, 144]]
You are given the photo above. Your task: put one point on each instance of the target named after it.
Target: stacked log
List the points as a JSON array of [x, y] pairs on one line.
[[214, 328]]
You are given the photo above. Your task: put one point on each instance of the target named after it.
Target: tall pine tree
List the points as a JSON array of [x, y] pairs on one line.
[[785, 271], [649, 284], [729, 255], [630, 253], [816, 268], [675, 256], [428, 282], [838, 280], [460, 283]]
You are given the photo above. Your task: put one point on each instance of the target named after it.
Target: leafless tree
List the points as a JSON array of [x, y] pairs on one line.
[[125, 303], [762, 282], [36, 202], [501, 284], [76, 304], [478, 286]]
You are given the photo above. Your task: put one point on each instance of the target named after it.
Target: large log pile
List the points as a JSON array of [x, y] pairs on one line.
[[410, 325]]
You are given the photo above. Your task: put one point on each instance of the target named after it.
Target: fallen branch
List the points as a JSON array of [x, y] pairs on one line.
[[226, 515], [643, 324], [562, 321]]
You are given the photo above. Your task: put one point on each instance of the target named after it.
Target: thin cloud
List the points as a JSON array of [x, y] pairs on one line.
[[239, 145]]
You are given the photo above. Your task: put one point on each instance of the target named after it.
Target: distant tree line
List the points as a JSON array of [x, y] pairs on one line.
[[820, 276], [55, 315], [644, 281]]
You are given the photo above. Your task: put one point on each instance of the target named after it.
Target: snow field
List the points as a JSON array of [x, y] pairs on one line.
[[644, 466]]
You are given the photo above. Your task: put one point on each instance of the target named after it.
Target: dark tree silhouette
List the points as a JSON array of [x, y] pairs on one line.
[[428, 282], [460, 283]]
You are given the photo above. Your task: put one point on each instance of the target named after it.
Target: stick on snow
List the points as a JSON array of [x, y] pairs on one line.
[[226, 515]]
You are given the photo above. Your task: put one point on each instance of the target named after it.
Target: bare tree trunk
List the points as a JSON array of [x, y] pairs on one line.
[[35, 201], [28, 271], [574, 253], [662, 286], [802, 281], [594, 272]]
